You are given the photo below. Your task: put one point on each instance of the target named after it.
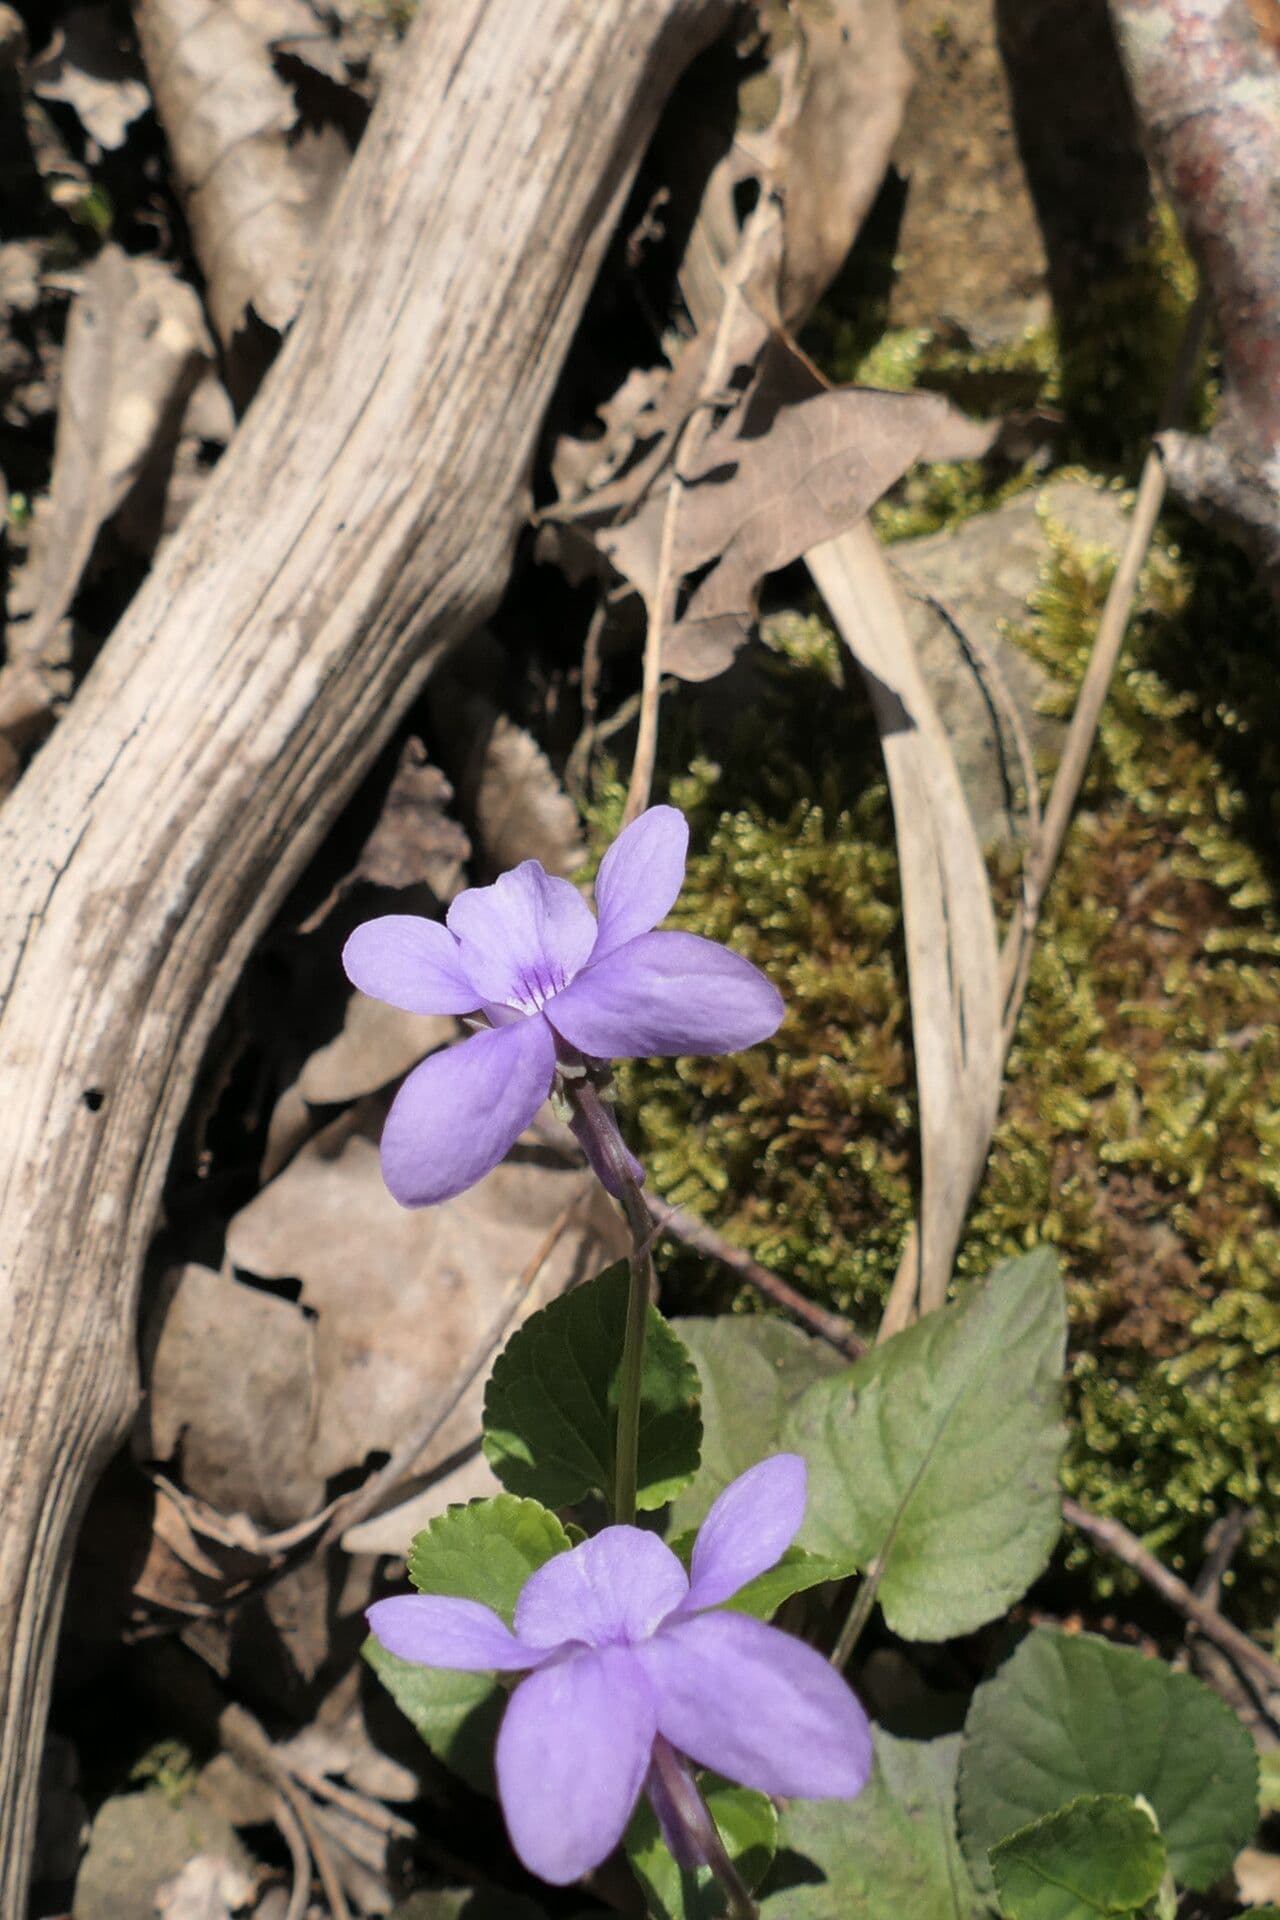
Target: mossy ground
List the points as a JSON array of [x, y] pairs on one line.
[[1140, 1131]]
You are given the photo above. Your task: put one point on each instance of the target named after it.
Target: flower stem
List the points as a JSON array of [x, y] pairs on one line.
[[859, 1614], [689, 1830], [597, 1119]]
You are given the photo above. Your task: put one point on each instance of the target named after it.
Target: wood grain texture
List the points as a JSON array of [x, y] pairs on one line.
[[362, 519], [1205, 76]]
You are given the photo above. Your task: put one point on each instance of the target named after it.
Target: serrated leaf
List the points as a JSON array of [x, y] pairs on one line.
[[938, 1454], [455, 1714], [1069, 1714], [795, 1572], [748, 1824], [486, 1550], [891, 1854], [1098, 1855], [550, 1408], [751, 1368]]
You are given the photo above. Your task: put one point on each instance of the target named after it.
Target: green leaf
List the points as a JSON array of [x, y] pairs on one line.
[[751, 1366], [485, 1551], [1098, 1855], [939, 1452], [456, 1714], [796, 1572], [748, 1824], [1269, 1780], [891, 1854], [550, 1405], [1069, 1714]]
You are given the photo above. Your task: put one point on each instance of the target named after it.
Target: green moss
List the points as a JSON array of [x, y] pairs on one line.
[[1139, 1131]]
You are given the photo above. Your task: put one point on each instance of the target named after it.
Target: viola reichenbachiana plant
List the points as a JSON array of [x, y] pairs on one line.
[[1139, 1132], [592, 1679]]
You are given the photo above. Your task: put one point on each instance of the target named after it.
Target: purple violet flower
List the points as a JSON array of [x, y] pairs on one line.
[[556, 986], [628, 1670]]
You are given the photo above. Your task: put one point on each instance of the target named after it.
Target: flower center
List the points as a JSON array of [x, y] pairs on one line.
[[539, 982]]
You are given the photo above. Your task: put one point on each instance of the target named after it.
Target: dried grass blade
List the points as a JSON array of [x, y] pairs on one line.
[[952, 962]]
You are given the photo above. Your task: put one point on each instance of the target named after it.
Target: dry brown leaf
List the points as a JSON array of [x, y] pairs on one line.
[[853, 86], [952, 961], [410, 1306], [136, 347], [520, 808], [378, 1044], [416, 838], [88, 66], [231, 1392], [757, 503], [507, 788], [597, 478], [255, 189]]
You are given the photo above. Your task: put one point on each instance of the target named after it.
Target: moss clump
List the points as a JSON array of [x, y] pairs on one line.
[[1139, 1131]]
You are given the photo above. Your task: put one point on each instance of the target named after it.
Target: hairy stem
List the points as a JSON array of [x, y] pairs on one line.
[[597, 1121]]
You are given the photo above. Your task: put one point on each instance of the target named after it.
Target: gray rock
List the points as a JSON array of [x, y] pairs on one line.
[[141, 1840], [969, 583]]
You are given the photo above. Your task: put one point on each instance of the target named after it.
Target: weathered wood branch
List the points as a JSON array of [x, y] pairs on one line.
[[1205, 76], [362, 519]]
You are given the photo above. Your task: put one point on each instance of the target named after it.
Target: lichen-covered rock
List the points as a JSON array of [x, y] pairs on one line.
[[963, 589]]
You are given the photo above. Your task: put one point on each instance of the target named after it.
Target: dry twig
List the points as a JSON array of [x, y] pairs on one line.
[[1117, 1540], [703, 1238]]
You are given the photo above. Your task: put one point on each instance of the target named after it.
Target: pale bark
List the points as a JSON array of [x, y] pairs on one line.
[[362, 519], [1205, 76]]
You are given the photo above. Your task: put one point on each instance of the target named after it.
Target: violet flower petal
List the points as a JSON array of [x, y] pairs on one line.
[[667, 993], [435, 1630], [615, 1587], [640, 877], [748, 1529], [409, 962], [571, 1758], [758, 1706], [458, 1113], [523, 938]]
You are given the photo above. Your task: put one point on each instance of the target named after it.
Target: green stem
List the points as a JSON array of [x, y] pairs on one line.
[[859, 1614], [626, 1454], [598, 1118]]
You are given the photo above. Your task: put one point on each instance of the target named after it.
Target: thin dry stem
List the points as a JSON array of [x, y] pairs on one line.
[[1115, 1539], [299, 1856], [1046, 848], [703, 1238], [661, 601]]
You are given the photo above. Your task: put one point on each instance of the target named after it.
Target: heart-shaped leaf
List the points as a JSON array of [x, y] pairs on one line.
[[550, 1409], [937, 1455], [1068, 1714], [485, 1551]]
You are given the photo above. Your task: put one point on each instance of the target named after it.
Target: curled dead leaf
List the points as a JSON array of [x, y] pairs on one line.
[[255, 186], [91, 68]]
